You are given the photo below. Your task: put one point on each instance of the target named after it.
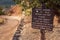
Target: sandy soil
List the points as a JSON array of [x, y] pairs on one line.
[[29, 33], [7, 30]]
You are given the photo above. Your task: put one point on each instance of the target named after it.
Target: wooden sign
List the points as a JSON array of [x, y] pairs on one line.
[[42, 18]]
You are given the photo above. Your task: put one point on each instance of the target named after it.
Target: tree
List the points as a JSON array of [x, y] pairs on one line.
[[53, 4], [28, 3]]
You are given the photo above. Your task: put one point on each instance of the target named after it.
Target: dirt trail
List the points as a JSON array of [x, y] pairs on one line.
[[8, 29]]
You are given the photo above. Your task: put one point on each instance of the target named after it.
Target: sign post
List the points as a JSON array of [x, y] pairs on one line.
[[42, 34], [42, 19]]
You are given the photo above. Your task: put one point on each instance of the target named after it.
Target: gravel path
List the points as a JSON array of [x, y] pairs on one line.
[[8, 29]]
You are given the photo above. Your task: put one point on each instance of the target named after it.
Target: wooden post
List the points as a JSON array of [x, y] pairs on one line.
[[42, 34]]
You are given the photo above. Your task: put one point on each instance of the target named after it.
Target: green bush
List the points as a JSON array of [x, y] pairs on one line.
[[1, 13]]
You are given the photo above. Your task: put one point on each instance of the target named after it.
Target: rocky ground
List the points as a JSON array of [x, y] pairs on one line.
[[22, 30], [28, 33]]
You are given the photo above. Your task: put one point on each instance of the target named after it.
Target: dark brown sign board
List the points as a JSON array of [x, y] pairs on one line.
[[42, 18]]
